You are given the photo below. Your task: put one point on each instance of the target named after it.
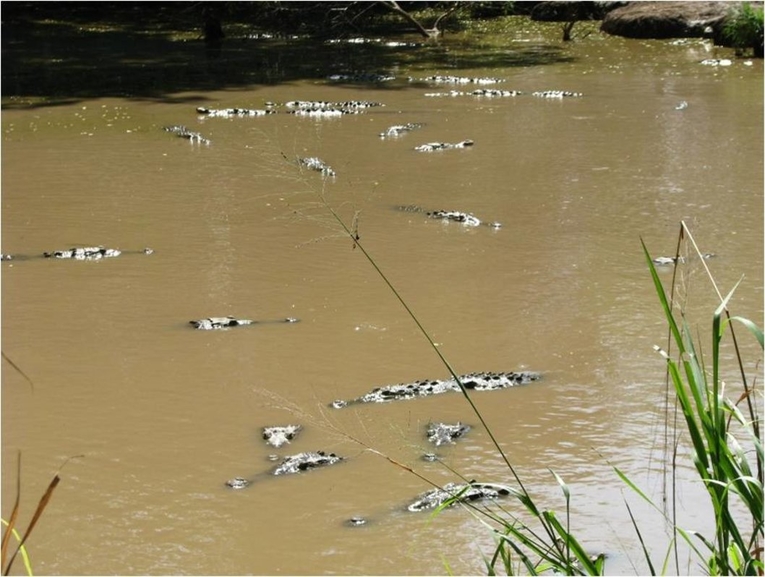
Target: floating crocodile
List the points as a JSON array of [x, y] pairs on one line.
[[324, 112], [431, 146], [313, 163], [346, 105], [457, 80], [442, 434], [183, 132], [228, 112], [399, 129], [78, 253], [291, 465], [451, 215], [278, 436], [219, 323], [481, 92], [417, 389], [664, 260], [459, 493]]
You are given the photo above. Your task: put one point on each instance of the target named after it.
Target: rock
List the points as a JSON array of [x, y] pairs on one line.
[[667, 19]]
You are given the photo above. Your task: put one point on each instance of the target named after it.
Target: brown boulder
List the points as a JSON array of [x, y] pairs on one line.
[[667, 19]]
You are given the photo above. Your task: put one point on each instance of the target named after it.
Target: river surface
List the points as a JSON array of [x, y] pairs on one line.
[[159, 415]]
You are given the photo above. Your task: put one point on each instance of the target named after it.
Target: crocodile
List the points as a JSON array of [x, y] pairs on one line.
[[361, 77], [78, 253], [399, 129], [556, 94], [472, 381], [229, 112], [316, 164], [451, 215], [458, 493], [442, 434], [219, 323], [480, 92], [291, 465], [278, 436], [457, 80], [665, 260], [431, 146], [183, 132]]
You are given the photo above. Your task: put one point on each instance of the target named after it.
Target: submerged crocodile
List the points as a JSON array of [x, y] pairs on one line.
[[417, 389], [183, 132], [431, 146], [219, 323], [458, 493], [451, 215], [291, 465]]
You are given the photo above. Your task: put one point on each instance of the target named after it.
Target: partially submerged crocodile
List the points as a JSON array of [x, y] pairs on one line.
[[313, 163], [278, 436], [78, 253], [417, 389], [665, 260], [442, 434], [431, 146], [556, 94], [291, 465], [458, 493], [229, 112], [399, 129], [457, 80], [451, 215], [480, 92], [219, 323], [183, 132]]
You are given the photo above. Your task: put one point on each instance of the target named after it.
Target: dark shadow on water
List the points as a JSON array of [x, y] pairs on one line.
[[50, 60]]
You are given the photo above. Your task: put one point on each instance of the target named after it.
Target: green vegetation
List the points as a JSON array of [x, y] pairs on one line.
[[744, 28]]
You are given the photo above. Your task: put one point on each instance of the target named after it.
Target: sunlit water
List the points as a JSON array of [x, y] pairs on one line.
[[163, 415]]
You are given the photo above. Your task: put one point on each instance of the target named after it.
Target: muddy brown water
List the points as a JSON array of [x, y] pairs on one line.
[[163, 415]]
